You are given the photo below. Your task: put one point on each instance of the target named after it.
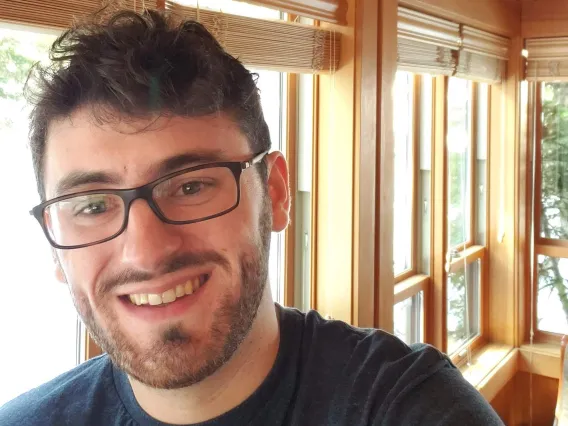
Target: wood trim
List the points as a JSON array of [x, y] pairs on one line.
[[333, 11], [537, 161], [404, 275], [366, 146], [315, 198], [541, 359], [291, 156], [91, 348], [526, 238], [437, 332], [467, 256], [411, 287], [387, 30], [490, 386], [551, 251]]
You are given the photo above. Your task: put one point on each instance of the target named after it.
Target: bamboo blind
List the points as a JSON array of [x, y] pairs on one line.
[[548, 59], [265, 44], [58, 14], [427, 44]]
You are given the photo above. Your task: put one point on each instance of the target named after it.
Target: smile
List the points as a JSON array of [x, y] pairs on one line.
[[171, 295]]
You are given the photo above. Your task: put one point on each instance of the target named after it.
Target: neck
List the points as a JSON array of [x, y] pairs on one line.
[[229, 386]]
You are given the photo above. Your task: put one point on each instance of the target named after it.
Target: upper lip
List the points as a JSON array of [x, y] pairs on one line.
[[153, 288]]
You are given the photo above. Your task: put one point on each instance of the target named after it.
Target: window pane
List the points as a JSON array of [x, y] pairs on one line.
[[424, 178], [303, 196], [554, 157], [552, 309], [403, 171], [481, 160], [234, 8], [272, 85], [463, 305], [459, 162], [39, 334], [409, 319]]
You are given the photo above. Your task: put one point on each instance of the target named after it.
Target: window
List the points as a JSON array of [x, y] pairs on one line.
[[413, 114], [551, 209], [463, 304], [272, 85], [403, 171], [466, 156], [409, 319], [29, 284]]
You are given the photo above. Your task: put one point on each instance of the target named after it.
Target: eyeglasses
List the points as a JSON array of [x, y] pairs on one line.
[[191, 195]]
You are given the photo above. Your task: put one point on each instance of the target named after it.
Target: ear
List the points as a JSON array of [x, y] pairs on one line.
[[278, 190], [59, 274]]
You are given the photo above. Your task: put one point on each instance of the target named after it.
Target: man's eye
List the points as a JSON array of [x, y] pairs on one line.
[[191, 188], [91, 208]]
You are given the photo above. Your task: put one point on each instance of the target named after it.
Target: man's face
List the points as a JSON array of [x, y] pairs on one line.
[[224, 260]]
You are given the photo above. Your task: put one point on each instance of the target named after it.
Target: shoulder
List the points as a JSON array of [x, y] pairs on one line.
[[346, 342], [56, 401]]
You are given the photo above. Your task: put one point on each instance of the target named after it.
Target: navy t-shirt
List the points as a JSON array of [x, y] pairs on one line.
[[326, 373]]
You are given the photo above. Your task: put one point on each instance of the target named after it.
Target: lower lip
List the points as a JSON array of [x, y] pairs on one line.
[[165, 312]]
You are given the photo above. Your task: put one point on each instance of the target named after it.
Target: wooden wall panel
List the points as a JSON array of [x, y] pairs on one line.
[[496, 16], [513, 402], [544, 18]]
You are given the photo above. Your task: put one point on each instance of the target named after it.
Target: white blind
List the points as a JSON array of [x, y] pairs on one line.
[[547, 59], [483, 56], [425, 43], [277, 45], [325, 10]]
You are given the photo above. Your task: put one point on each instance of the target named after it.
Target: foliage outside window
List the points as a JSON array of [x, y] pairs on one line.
[[552, 305]]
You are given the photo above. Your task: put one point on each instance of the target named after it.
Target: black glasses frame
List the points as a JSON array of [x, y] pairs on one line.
[[145, 192]]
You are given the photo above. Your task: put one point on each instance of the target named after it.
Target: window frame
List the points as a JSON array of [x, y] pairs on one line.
[[415, 161], [435, 284], [542, 246]]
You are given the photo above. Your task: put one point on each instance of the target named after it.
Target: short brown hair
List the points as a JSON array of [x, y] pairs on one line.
[[141, 65]]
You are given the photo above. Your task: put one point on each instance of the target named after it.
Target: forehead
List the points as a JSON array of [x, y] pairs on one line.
[[131, 148]]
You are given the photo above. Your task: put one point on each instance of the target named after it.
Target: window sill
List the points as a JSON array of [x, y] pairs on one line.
[[540, 358], [492, 366]]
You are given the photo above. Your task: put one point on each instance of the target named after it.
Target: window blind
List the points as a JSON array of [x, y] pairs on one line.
[[482, 56], [426, 44], [56, 14], [333, 11], [278, 45], [547, 59]]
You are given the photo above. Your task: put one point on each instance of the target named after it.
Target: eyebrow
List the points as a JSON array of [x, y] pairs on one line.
[[168, 165]]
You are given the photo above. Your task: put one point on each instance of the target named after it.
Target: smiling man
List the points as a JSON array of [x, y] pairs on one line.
[[159, 198]]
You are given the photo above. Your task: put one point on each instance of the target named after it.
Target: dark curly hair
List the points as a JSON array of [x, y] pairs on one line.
[[140, 65]]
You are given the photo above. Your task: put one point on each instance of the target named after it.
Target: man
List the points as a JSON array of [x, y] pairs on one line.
[[152, 157]]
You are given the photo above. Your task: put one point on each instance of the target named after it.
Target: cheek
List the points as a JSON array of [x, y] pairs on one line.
[[82, 268]]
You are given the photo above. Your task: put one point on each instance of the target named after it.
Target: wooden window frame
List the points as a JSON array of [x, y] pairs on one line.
[[415, 158], [542, 246]]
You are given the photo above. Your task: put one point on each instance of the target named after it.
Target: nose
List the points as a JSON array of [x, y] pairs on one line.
[[148, 241]]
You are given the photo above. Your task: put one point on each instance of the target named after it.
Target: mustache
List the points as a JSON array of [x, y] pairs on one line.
[[175, 263]]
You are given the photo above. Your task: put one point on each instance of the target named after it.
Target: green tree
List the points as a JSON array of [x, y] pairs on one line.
[[554, 185]]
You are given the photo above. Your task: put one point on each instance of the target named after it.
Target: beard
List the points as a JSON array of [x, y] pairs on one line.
[[177, 359]]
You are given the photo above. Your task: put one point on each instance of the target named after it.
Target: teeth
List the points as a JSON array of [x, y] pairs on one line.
[[155, 299], [169, 296], [180, 290]]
